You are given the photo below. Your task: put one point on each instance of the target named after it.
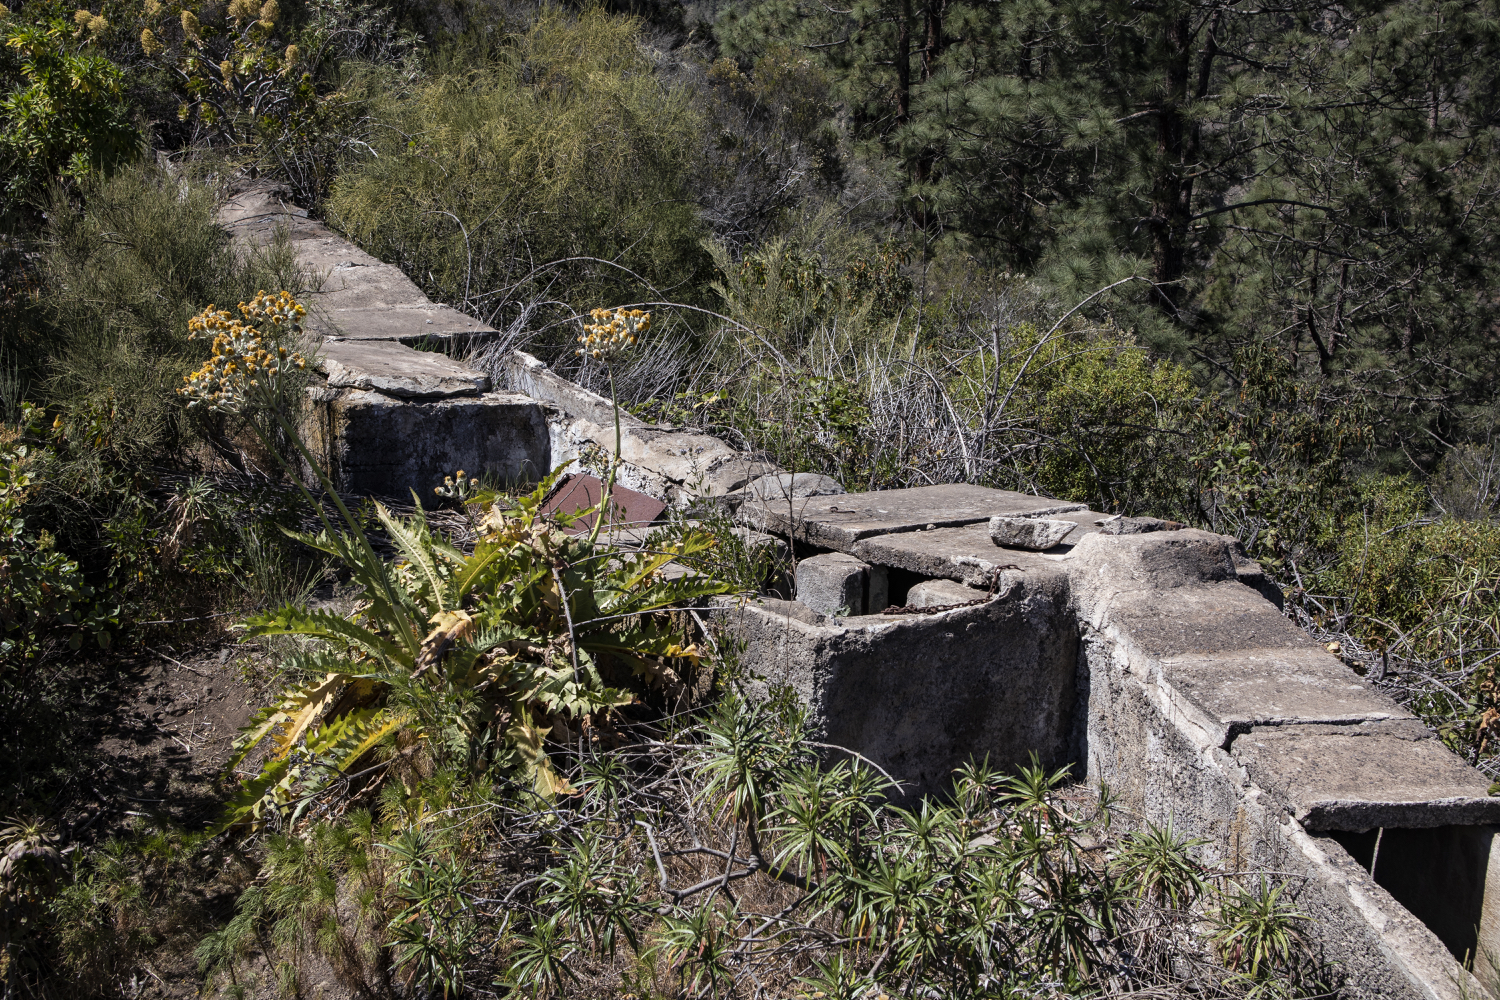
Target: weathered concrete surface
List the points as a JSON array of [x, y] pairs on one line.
[[834, 584], [354, 294], [922, 694], [376, 444], [679, 466], [1196, 702], [1035, 534], [1357, 778], [397, 370], [1207, 710], [839, 522], [941, 594]]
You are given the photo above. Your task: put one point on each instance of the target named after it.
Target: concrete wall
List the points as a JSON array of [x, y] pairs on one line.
[[1157, 663], [923, 694]]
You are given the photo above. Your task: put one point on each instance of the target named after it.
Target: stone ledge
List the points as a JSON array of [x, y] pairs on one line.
[[1365, 778], [839, 522], [395, 370]]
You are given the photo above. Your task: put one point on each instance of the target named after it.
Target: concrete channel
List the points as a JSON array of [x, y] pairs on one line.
[[1151, 658]]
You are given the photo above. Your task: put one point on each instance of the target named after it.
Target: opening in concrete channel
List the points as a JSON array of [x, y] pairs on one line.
[[1442, 876]]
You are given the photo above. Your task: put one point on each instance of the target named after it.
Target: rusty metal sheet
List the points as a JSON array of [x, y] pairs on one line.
[[628, 508]]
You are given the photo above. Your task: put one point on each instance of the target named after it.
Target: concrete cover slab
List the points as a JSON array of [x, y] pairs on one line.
[[963, 554], [1361, 778], [840, 522], [405, 323], [1231, 692], [1209, 618], [397, 371]]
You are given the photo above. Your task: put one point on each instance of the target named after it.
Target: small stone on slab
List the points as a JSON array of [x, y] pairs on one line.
[[1034, 534]]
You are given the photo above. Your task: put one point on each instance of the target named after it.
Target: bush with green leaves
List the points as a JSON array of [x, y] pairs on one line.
[[480, 653], [63, 109], [727, 854], [560, 166]]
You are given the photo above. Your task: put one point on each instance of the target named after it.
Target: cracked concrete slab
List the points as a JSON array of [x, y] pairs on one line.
[[1232, 692], [838, 522], [399, 371], [1365, 778], [964, 554]]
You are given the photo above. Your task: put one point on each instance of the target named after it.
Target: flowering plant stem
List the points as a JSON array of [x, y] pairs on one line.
[[609, 480]]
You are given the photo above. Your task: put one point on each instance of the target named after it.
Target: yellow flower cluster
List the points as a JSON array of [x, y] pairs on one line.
[[612, 331], [241, 359]]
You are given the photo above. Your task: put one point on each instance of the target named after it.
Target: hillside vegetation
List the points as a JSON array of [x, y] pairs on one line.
[[1228, 265]]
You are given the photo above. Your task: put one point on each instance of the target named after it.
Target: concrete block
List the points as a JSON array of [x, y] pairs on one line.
[[1035, 534], [833, 584], [838, 522], [397, 370], [1362, 778], [922, 694], [941, 594], [375, 444]]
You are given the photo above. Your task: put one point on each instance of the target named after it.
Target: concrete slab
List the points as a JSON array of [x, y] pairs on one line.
[[395, 370], [839, 522], [405, 323], [1223, 617], [964, 554], [345, 277], [376, 444], [1229, 693], [1361, 778]]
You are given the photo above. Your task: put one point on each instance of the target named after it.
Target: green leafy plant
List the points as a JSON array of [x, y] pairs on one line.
[[66, 116], [1257, 930]]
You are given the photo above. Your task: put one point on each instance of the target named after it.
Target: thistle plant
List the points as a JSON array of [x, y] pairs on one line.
[[612, 333]]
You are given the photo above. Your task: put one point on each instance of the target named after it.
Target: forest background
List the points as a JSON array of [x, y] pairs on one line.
[[1227, 264]]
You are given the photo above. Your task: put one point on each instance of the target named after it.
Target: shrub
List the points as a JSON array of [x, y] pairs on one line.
[[557, 170], [63, 113]]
